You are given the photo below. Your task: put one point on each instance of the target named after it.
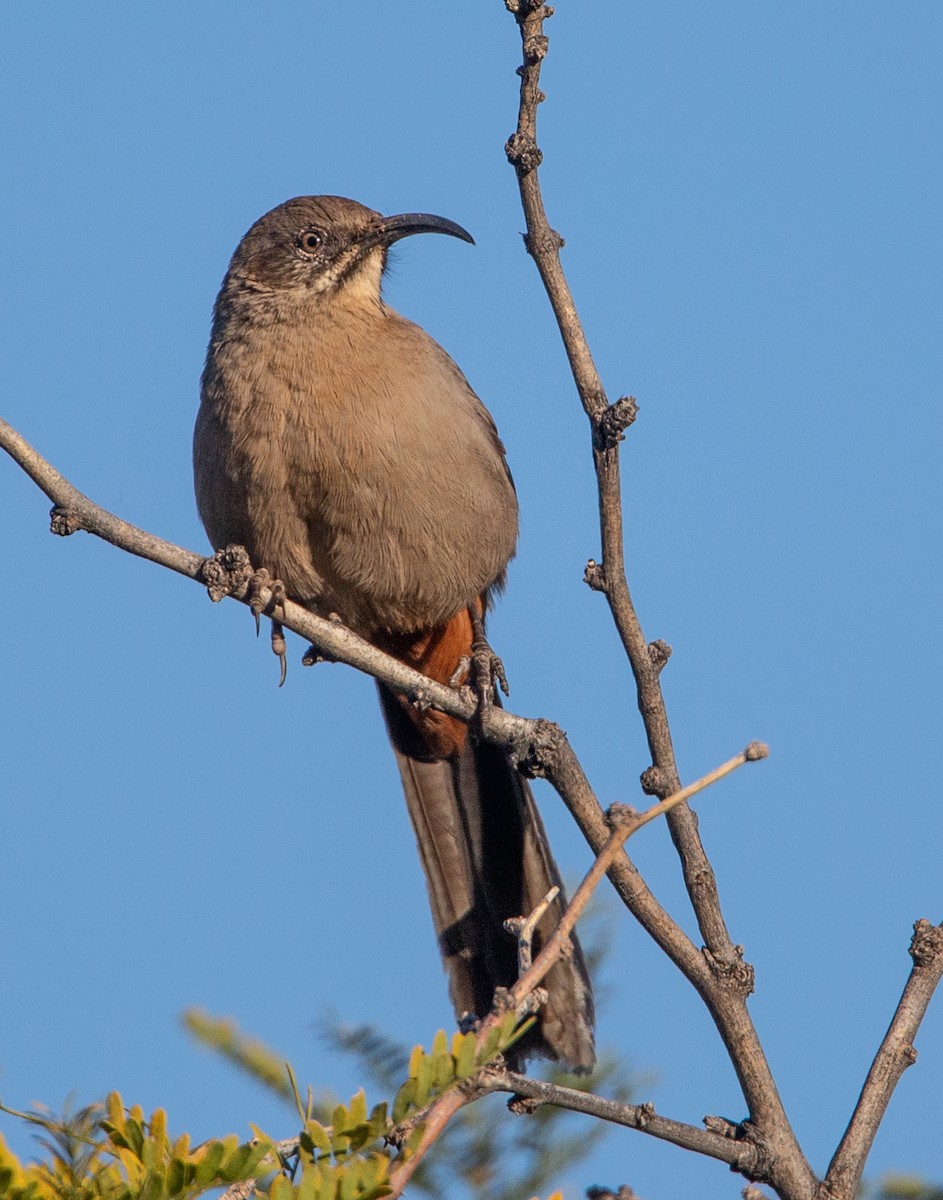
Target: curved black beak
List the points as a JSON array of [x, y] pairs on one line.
[[391, 229]]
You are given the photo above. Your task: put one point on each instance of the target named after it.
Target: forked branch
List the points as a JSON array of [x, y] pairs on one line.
[[728, 981]]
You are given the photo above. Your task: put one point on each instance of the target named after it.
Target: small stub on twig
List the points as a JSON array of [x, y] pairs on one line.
[[619, 815], [652, 780], [726, 1129], [534, 755], [227, 573], [614, 421], [595, 576], [523, 153], [927, 943], [62, 522], [755, 751]]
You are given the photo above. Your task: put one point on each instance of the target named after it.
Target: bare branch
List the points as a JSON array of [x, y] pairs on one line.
[[738, 1154], [729, 980], [625, 823], [894, 1056], [607, 422]]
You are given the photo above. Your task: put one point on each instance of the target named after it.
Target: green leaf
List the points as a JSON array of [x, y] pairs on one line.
[[240, 1163], [358, 1108], [443, 1071], [208, 1164], [405, 1100], [465, 1063], [378, 1119], [281, 1189], [424, 1079], [318, 1136]]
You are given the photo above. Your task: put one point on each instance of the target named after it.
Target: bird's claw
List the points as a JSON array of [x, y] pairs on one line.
[[261, 582], [280, 649], [487, 670], [266, 594]]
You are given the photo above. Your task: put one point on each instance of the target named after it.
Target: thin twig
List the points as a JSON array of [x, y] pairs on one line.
[[738, 1154], [729, 980], [524, 928], [895, 1055], [544, 244], [627, 822]]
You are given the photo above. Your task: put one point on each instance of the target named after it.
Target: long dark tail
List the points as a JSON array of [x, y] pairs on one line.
[[486, 858]]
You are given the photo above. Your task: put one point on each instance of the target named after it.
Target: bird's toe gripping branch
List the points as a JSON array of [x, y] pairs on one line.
[[486, 668], [229, 572]]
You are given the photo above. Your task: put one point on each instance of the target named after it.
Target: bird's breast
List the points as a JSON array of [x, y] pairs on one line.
[[364, 470]]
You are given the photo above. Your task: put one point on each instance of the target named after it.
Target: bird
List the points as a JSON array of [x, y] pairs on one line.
[[343, 448]]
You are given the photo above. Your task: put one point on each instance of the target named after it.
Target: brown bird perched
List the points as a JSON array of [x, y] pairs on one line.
[[344, 449]]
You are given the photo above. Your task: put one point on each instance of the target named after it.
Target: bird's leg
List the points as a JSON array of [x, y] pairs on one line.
[[487, 670]]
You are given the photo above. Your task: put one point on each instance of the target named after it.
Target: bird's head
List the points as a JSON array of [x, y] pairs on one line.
[[325, 245]]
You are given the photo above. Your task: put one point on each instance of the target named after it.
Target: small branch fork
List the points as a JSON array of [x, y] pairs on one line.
[[718, 972], [523, 997]]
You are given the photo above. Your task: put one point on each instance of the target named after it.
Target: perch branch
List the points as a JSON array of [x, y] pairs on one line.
[[537, 746], [730, 979]]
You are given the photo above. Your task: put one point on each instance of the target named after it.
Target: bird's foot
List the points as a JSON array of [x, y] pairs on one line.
[[487, 670], [266, 594]]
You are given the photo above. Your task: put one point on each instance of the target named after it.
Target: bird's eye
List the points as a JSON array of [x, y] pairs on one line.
[[310, 241]]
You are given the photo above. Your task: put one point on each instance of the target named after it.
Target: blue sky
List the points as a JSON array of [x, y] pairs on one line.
[[750, 196]]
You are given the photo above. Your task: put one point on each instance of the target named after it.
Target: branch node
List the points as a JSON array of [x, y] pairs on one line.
[[420, 701], [533, 1002], [735, 974], [726, 1129], [653, 781], [227, 573], [538, 750], [595, 576], [543, 243], [535, 47], [926, 944], [613, 421], [658, 654], [619, 815], [523, 8], [502, 1001], [644, 1113], [63, 522], [313, 655], [755, 751], [523, 1105], [524, 154]]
